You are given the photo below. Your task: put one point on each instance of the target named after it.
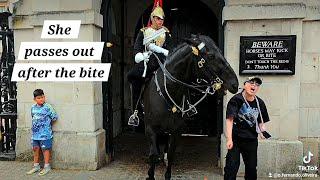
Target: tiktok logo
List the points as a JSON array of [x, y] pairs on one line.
[[307, 158]]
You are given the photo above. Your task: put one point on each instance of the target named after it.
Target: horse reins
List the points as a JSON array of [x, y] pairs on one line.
[[214, 86]]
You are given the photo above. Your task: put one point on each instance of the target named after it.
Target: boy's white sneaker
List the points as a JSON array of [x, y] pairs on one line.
[[34, 169], [45, 171]]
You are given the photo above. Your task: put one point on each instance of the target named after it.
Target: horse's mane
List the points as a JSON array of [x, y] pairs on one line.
[[178, 47], [209, 42], [177, 53], [181, 50]]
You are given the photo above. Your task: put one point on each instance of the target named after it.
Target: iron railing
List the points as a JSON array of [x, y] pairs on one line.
[[8, 94]]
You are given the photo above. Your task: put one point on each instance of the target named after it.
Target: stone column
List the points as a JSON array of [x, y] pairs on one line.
[[282, 154], [79, 139]]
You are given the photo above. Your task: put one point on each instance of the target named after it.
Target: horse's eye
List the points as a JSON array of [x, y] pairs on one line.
[[210, 55], [204, 51]]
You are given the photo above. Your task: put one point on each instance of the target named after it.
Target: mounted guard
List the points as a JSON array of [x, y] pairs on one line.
[[154, 38]]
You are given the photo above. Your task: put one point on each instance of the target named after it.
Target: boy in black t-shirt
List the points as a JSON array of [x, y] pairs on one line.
[[244, 111]]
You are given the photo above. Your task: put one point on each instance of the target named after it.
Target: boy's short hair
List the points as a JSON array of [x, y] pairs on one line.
[[38, 92]]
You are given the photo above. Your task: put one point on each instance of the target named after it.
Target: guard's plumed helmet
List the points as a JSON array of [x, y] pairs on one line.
[[157, 11]]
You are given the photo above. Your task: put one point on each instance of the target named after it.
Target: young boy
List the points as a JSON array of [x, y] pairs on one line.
[[43, 115]]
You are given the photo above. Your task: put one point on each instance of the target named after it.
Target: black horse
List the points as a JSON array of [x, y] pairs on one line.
[[196, 64]]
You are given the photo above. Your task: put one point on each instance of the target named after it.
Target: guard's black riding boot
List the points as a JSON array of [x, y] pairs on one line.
[[136, 107]]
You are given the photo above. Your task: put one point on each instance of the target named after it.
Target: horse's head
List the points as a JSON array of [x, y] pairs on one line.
[[211, 63]]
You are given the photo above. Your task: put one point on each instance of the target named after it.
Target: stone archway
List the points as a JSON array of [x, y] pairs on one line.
[[182, 19]]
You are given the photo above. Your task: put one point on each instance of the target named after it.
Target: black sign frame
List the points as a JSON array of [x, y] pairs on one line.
[[283, 62]]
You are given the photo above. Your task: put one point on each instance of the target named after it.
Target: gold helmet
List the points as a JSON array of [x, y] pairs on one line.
[[157, 11]]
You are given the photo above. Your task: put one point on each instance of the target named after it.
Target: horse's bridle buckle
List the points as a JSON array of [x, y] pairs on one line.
[[201, 63], [217, 84]]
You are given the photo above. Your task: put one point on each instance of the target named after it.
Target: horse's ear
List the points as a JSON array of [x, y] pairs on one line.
[[193, 40], [187, 40]]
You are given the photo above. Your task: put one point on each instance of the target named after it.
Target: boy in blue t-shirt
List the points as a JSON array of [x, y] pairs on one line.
[[43, 115]]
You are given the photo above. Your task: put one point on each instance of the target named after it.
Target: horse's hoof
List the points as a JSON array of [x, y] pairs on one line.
[[167, 175]]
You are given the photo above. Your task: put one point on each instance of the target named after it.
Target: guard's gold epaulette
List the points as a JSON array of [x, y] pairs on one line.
[[143, 29]]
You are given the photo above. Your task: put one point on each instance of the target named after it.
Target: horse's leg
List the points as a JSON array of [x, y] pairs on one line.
[[151, 171], [153, 154], [158, 143], [171, 152], [165, 151]]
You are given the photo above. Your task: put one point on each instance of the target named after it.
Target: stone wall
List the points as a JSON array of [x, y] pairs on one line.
[[309, 131], [79, 139], [292, 100]]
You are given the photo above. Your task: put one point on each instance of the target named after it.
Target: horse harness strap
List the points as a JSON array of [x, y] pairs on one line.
[[191, 107], [175, 105], [217, 83], [173, 79], [160, 93], [195, 50]]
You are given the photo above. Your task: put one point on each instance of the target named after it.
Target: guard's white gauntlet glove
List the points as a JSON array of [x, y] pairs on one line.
[[158, 49], [141, 57], [146, 56]]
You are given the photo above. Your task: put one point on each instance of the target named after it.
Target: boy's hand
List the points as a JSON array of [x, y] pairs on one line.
[[53, 121]]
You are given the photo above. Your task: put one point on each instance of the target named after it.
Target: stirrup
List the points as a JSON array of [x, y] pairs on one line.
[[134, 119]]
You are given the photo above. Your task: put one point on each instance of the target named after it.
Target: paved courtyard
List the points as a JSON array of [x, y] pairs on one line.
[[17, 171], [196, 159], [131, 150]]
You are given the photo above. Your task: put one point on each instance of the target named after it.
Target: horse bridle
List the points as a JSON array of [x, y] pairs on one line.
[[210, 88], [215, 84]]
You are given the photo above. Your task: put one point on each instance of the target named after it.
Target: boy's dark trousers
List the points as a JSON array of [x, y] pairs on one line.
[[248, 149]]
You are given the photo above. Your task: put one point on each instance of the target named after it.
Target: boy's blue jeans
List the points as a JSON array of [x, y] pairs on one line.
[[43, 144]]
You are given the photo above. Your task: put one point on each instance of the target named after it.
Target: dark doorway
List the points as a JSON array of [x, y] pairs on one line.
[[184, 18]]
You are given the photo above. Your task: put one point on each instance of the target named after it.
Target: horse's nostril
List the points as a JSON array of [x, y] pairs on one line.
[[235, 86]]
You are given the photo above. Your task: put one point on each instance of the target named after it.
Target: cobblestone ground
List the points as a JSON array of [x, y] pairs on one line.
[[195, 160]]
